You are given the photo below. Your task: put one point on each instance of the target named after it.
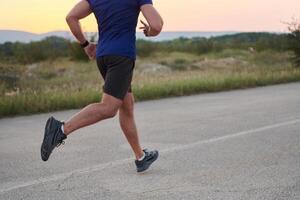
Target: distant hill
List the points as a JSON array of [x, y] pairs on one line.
[[21, 36], [249, 36]]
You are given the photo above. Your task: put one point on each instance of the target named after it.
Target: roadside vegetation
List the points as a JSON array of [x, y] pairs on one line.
[[294, 38], [35, 80]]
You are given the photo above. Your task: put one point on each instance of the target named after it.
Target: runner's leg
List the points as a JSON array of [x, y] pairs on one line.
[[93, 113], [127, 122]]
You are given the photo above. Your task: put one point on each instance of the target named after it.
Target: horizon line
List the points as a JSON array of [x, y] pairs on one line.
[[167, 31]]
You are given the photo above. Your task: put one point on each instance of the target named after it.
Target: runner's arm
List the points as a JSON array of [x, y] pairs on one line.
[[153, 18], [80, 11]]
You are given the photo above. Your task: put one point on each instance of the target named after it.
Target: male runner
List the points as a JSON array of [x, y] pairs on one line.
[[115, 54]]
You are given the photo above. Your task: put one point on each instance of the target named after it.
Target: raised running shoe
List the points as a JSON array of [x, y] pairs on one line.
[[53, 137]]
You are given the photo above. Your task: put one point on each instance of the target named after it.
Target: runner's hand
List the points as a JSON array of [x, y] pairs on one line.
[[145, 28], [90, 51]]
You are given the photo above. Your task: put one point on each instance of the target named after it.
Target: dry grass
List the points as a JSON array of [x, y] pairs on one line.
[[64, 84]]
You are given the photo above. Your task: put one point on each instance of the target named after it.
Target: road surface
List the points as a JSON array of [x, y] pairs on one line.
[[242, 144]]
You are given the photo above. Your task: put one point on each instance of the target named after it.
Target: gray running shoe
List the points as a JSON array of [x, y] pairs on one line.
[[150, 157]]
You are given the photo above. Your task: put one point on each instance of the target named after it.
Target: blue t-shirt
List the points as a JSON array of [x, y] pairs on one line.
[[117, 21]]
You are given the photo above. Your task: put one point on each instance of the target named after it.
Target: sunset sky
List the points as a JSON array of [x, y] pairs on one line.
[[191, 15]]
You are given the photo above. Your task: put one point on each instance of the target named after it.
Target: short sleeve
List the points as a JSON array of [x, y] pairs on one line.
[[90, 3], [143, 2]]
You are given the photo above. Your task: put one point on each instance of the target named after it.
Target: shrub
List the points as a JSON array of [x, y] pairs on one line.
[[76, 52], [179, 64]]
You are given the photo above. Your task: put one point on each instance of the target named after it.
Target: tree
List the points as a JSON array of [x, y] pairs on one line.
[[294, 28]]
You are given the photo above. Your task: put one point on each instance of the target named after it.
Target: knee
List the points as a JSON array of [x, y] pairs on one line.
[[110, 112]]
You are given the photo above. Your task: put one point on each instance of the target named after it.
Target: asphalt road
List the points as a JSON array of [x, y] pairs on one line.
[[242, 144]]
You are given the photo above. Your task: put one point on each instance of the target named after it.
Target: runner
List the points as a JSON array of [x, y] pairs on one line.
[[115, 55]]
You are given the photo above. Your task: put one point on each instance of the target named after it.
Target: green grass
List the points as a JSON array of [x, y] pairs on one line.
[[213, 83], [60, 85], [45, 102]]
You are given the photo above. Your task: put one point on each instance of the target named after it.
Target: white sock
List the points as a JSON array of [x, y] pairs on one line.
[[142, 158], [62, 129]]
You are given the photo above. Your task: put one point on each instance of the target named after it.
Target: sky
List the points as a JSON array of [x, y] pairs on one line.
[[40, 16]]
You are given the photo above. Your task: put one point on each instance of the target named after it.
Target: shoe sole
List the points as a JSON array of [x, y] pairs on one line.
[[45, 154], [148, 166]]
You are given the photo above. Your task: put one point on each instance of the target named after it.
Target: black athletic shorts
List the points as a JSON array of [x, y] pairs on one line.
[[117, 72]]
